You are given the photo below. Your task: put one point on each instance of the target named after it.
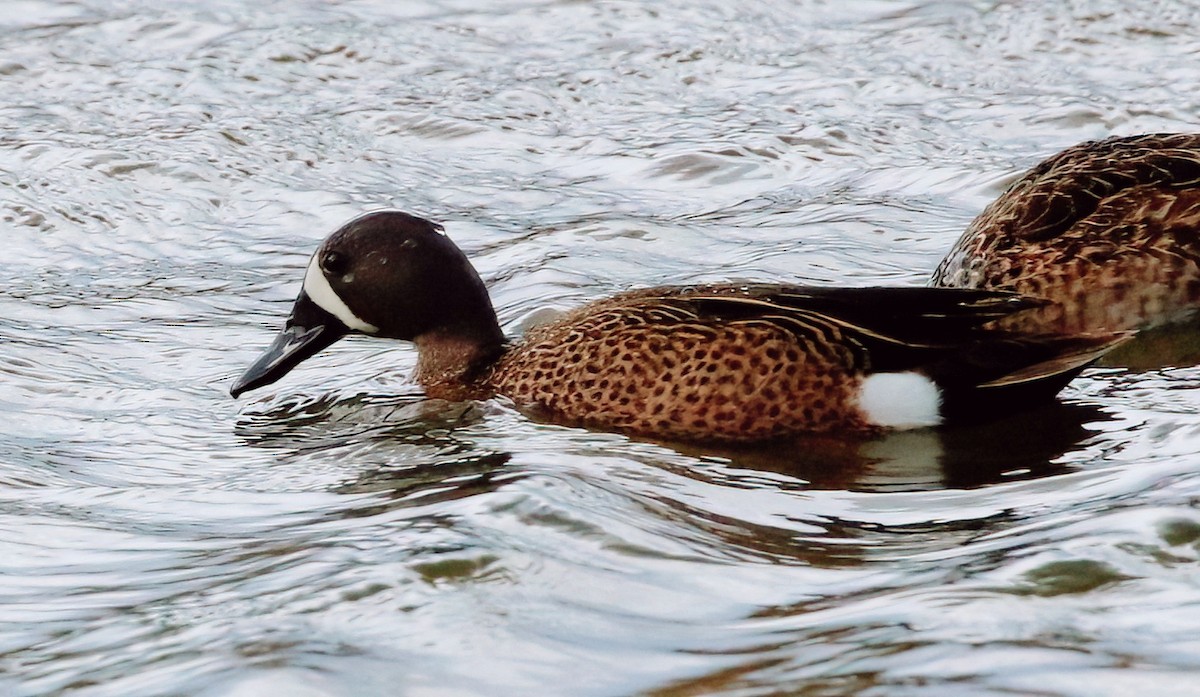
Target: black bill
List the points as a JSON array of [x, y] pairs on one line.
[[308, 330]]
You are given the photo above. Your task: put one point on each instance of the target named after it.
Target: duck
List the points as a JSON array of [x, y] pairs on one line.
[[1107, 232], [731, 363]]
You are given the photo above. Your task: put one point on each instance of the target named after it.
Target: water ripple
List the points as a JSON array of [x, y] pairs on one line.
[[166, 172]]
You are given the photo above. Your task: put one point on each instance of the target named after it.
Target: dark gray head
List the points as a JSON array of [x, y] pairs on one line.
[[387, 274]]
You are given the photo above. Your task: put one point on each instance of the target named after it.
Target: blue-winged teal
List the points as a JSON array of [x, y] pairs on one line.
[[1108, 231], [713, 362]]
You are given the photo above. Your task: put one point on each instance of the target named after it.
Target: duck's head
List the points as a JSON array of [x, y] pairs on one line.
[[386, 274]]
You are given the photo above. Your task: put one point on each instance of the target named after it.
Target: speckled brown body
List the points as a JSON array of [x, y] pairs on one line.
[[1108, 230], [636, 364]]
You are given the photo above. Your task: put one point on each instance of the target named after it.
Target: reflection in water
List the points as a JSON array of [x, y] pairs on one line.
[[403, 447], [1176, 345], [1009, 448], [300, 424], [417, 452]]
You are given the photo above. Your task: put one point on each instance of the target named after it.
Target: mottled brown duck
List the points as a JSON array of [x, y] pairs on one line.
[[703, 363], [1107, 231]]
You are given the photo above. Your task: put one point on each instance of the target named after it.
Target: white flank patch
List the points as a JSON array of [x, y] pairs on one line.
[[900, 400], [319, 290]]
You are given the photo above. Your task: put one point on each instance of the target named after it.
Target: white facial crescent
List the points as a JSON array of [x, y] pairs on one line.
[[319, 291]]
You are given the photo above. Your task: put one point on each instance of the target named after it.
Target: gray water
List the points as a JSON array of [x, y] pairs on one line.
[[165, 173]]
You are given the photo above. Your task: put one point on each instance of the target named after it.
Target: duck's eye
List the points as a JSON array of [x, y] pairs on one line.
[[333, 263]]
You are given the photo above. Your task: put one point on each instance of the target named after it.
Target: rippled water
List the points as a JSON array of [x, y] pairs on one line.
[[164, 174]]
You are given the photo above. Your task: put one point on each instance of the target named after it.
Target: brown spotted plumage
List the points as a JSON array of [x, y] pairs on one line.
[[710, 363], [1108, 231], [649, 363]]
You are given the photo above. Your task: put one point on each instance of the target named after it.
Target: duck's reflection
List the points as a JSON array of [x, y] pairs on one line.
[[416, 454], [404, 447], [303, 422], [398, 442], [1172, 345], [1024, 445]]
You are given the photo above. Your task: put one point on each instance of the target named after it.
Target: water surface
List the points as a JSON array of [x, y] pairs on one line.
[[166, 171]]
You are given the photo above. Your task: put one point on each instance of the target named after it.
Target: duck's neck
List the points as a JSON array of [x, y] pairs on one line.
[[454, 364]]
